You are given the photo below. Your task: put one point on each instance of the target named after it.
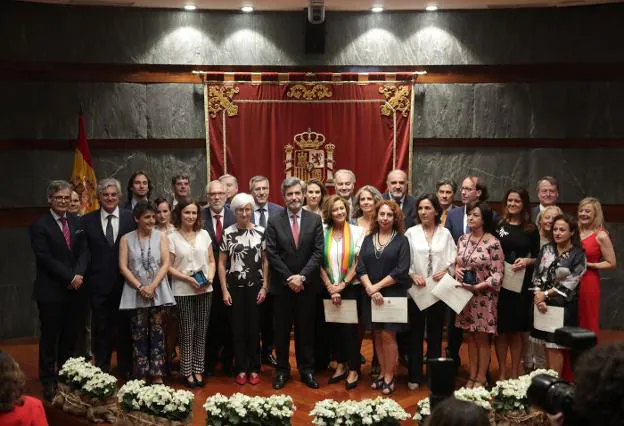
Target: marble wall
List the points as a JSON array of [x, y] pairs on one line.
[[565, 109]]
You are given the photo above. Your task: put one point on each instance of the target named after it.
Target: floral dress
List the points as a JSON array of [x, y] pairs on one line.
[[486, 258]]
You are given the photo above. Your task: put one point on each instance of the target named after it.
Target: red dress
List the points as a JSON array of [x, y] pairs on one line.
[[31, 413], [589, 291]]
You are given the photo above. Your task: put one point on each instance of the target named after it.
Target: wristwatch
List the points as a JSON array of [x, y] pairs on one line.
[[303, 278]]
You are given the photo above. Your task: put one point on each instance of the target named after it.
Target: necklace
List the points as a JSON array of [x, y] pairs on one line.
[[430, 253], [146, 261], [466, 258], [379, 247]]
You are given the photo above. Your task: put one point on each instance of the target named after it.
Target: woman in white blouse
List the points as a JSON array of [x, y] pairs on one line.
[[192, 269], [340, 258], [433, 254]]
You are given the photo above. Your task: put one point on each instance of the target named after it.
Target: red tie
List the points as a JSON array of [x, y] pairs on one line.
[[295, 229], [66, 231], [219, 229]]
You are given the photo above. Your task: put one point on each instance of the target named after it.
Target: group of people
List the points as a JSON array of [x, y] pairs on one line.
[[228, 281]]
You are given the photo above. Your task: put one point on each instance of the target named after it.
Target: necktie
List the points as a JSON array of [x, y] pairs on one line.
[[110, 237], [262, 218], [219, 228], [66, 231], [295, 229]]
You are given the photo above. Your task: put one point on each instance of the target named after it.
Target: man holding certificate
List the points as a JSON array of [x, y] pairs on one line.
[[433, 254], [340, 256], [383, 269]]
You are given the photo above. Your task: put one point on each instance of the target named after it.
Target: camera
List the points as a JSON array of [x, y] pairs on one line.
[[554, 395]]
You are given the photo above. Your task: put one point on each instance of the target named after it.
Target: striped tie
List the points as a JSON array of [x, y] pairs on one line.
[[66, 231]]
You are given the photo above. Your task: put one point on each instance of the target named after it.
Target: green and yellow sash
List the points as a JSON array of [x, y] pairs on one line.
[[348, 252]]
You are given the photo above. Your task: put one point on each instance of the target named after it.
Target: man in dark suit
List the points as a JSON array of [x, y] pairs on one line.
[[397, 190], [216, 218], [445, 192], [139, 188], [61, 258], [103, 229], [263, 210], [294, 240], [547, 194]]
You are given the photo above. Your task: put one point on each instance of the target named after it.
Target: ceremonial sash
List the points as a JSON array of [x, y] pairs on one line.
[[348, 252]]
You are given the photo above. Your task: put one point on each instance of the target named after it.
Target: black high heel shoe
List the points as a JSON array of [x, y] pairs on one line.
[[387, 388], [352, 385], [337, 379], [198, 382], [378, 384], [189, 381]]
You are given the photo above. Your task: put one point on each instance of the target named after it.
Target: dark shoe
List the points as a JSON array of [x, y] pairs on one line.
[[309, 380], [387, 388], [189, 382], [48, 392], [377, 384], [198, 382], [280, 380], [337, 379], [352, 385], [269, 360]]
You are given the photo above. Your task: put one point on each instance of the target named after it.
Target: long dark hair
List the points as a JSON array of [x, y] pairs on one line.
[[434, 202], [131, 181], [573, 224], [486, 214], [525, 214], [177, 214]]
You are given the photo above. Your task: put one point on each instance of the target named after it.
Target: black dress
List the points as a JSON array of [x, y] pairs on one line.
[[393, 261], [515, 310]]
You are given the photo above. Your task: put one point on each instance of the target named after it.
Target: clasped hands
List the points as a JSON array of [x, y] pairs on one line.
[[374, 292], [146, 291], [76, 282], [421, 282], [295, 282]]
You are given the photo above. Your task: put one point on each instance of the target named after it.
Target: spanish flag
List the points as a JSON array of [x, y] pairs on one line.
[[83, 175]]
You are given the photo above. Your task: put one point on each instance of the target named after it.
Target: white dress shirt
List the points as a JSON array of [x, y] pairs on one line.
[[257, 213], [57, 219], [214, 219], [114, 221], [443, 251]]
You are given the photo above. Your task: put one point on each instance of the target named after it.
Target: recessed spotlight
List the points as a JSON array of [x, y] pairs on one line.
[[247, 9], [431, 8], [190, 7], [377, 9], [420, 72]]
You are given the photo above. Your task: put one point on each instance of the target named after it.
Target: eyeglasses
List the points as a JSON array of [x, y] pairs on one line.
[[216, 194], [467, 189]]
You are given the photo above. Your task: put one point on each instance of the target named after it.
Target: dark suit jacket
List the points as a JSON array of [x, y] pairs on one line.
[[228, 219], [408, 208], [103, 276], [273, 209], [56, 263], [534, 212], [285, 259], [455, 221]]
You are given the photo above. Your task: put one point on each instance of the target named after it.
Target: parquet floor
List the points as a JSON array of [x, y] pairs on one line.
[[25, 352]]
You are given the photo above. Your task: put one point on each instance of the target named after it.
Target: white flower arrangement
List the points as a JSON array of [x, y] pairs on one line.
[[276, 410], [479, 396], [378, 411], [157, 400], [511, 395], [423, 410], [80, 375]]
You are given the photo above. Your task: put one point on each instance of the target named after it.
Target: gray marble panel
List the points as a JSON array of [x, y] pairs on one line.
[[50, 110], [175, 37], [443, 110], [175, 111], [612, 285]]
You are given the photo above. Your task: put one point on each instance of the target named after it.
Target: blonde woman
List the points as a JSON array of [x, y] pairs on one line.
[[600, 256]]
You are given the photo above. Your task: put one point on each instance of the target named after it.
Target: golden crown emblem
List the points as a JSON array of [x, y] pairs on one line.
[[309, 139]]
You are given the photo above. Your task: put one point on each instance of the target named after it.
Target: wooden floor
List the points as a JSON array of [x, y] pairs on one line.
[[25, 351]]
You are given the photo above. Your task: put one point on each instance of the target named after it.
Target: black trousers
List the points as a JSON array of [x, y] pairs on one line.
[[266, 325], [433, 316], [324, 335], [346, 340], [454, 336], [59, 324], [246, 328], [110, 328], [300, 309], [219, 346]]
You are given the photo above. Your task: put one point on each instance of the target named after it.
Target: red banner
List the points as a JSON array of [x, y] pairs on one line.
[[309, 130]]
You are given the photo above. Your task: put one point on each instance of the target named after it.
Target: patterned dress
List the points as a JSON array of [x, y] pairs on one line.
[[485, 257]]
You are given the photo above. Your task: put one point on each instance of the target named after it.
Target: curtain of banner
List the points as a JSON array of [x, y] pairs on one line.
[[308, 129]]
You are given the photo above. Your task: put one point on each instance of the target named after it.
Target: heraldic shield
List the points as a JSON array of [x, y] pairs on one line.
[[310, 157]]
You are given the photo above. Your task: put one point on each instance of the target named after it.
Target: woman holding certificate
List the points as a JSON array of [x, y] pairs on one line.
[[340, 256], [519, 239], [479, 267], [558, 271], [433, 254], [192, 269], [143, 262], [383, 269]]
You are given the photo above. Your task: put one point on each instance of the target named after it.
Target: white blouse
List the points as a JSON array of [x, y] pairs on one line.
[[443, 251], [335, 252], [189, 259]]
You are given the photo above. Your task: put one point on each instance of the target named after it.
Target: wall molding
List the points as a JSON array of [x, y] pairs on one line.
[[436, 74]]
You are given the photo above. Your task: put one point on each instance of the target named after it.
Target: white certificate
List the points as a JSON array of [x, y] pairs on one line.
[[447, 291], [422, 296], [393, 309], [512, 280], [345, 313], [549, 321]]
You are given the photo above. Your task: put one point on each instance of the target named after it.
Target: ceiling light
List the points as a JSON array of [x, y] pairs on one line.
[[420, 72], [190, 7], [377, 9], [247, 9], [431, 8]]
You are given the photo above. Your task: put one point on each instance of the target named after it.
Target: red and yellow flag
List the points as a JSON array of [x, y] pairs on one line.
[[83, 175]]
